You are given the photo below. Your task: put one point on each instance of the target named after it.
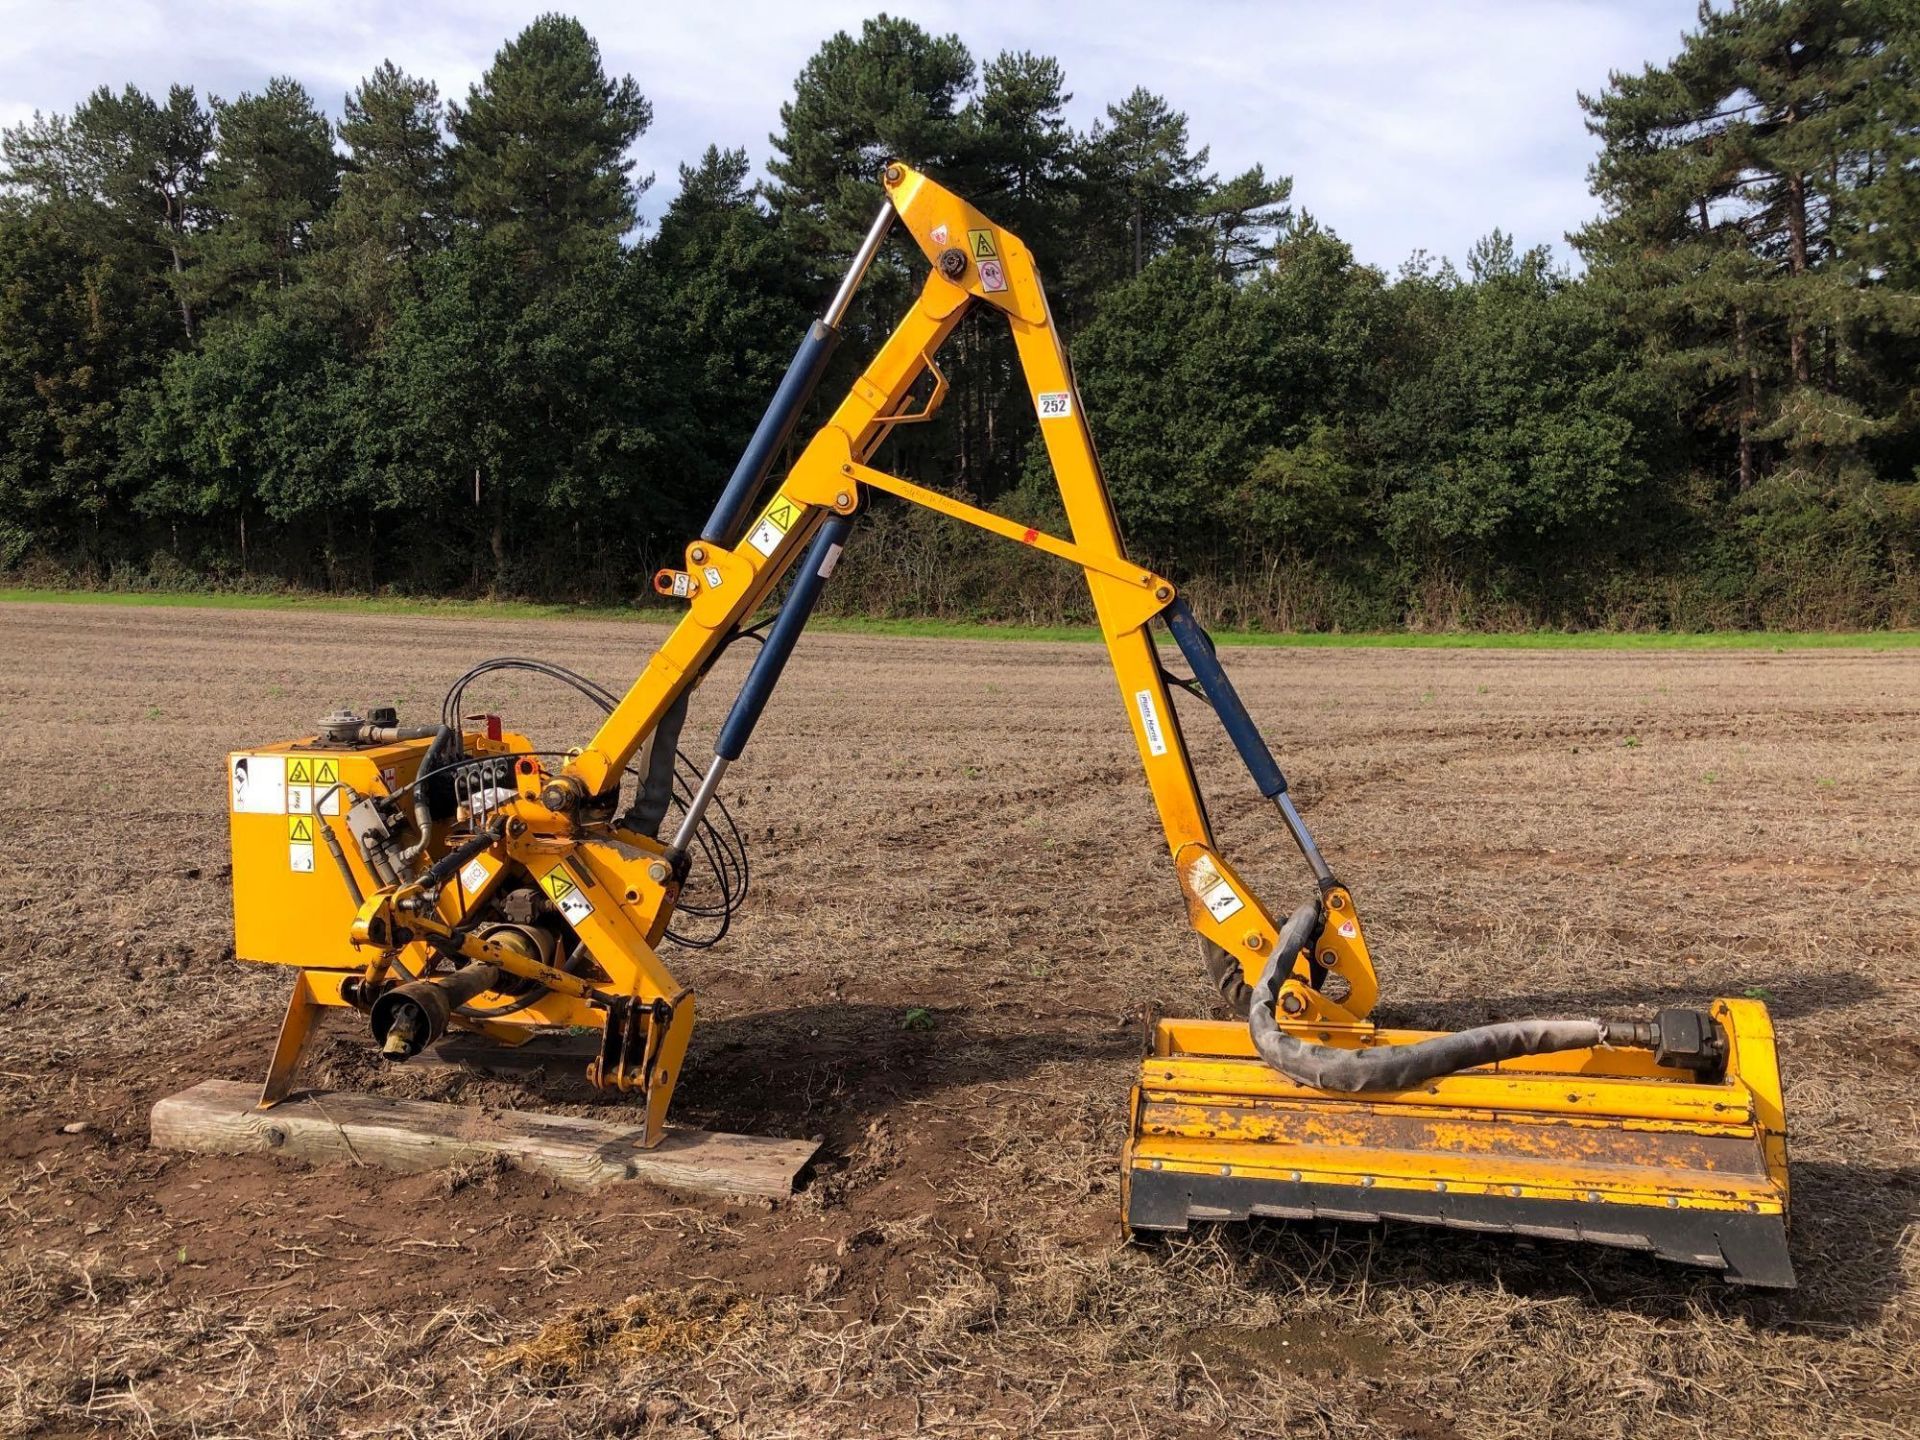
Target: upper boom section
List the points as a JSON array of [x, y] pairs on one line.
[[965, 248]]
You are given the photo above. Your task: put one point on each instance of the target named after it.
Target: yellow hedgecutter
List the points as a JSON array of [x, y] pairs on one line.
[[448, 876]]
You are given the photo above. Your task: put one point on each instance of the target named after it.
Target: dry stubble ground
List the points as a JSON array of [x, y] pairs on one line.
[[959, 826]]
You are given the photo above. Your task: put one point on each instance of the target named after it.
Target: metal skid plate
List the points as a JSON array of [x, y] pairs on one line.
[[1749, 1249]]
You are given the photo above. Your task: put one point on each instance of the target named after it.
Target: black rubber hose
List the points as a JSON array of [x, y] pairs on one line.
[[438, 791], [655, 793], [1390, 1067], [443, 869]]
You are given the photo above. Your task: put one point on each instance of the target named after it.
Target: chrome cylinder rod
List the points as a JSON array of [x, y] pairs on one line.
[[1298, 829], [856, 272], [697, 809]]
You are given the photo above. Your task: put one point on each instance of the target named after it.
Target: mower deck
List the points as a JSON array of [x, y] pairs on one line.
[[1601, 1145]]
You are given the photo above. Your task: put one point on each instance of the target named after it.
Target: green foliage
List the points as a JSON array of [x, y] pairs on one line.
[[258, 417], [1145, 187], [1243, 215], [1168, 366], [1222, 407], [394, 205], [122, 179], [431, 348], [77, 330], [731, 305], [271, 177], [540, 163], [1757, 230], [1519, 427], [858, 103]]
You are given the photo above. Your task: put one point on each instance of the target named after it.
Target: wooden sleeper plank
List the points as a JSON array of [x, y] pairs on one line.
[[219, 1117]]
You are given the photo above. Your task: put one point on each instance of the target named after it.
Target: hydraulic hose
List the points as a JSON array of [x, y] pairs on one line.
[[1391, 1067], [433, 803]]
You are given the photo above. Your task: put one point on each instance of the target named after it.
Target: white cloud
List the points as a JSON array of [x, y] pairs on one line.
[[1404, 125]]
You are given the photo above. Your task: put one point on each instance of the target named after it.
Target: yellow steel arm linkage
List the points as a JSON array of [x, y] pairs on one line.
[[975, 262]]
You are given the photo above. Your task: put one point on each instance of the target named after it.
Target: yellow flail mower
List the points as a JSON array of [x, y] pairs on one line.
[[466, 881]]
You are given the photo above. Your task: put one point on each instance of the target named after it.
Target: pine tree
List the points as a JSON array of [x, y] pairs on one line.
[[541, 164], [1017, 165], [894, 92], [1021, 151], [121, 178], [92, 256], [1245, 216], [271, 179], [1747, 188], [731, 296], [77, 331], [1143, 180], [393, 209]]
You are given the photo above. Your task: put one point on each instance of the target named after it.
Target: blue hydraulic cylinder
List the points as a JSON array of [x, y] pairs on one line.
[[1197, 646], [775, 428], [772, 659]]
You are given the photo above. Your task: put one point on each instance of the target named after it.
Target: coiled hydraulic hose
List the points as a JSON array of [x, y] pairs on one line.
[[1391, 1067]]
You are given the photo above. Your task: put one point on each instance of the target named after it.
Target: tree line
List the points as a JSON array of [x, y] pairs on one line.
[[428, 348]]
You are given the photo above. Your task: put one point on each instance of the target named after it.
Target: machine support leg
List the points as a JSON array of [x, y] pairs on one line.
[[295, 1031]]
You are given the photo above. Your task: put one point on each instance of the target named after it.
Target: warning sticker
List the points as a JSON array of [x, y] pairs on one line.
[[992, 277], [567, 895], [326, 775], [773, 526], [300, 843], [309, 781], [1222, 902], [1150, 722], [257, 784], [938, 234], [1055, 404], [474, 875], [1214, 889], [980, 242]]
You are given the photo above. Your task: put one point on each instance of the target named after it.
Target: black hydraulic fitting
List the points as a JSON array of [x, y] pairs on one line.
[[1683, 1039]]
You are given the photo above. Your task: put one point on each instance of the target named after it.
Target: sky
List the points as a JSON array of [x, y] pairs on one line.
[[1406, 124]]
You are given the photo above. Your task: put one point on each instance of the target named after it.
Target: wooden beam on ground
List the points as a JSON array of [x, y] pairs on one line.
[[323, 1127]]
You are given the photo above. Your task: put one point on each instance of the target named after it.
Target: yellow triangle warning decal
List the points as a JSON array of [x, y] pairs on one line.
[[299, 772], [326, 772], [782, 513], [557, 884], [982, 242], [299, 830]]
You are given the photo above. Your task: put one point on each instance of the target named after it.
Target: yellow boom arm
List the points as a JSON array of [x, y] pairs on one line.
[[975, 262]]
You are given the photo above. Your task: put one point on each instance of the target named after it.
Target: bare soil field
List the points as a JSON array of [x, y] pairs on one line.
[[959, 828]]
